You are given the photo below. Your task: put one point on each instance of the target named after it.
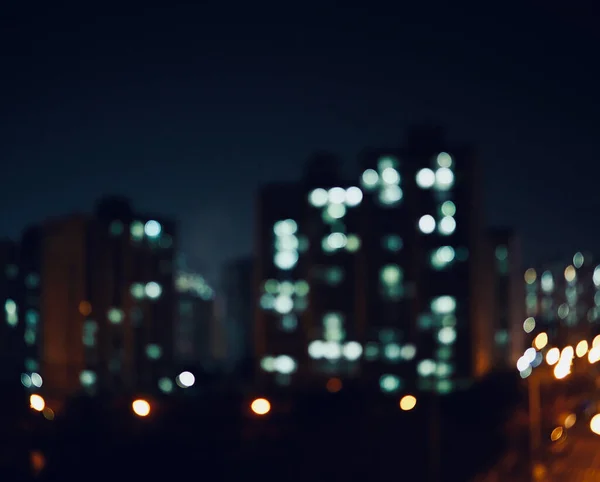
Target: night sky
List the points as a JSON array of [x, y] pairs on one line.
[[188, 110]]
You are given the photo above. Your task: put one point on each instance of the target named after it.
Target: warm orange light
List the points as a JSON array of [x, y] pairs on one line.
[[260, 406], [570, 420], [556, 434], [334, 385], [594, 354], [552, 356], [567, 352], [37, 402], [581, 349], [540, 341], [562, 370], [595, 424], [37, 461], [85, 308], [141, 408], [408, 402]]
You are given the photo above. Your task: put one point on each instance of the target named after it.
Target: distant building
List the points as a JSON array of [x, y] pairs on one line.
[[562, 299], [237, 285], [14, 318], [382, 279], [103, 293], [195, 314], [509, 308]]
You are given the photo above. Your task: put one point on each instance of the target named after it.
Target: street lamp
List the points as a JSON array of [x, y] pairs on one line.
[[141, 407], [595, 424], [260, 406]]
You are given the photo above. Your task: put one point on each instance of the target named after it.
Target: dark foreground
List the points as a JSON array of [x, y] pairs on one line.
[[345, 436]]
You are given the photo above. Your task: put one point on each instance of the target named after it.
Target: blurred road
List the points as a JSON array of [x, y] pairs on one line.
[[581, 463]]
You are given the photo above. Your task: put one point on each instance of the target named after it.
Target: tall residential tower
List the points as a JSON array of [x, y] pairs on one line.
[[379, 280]]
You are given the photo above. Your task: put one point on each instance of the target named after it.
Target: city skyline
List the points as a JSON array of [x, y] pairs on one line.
[[188, 123]]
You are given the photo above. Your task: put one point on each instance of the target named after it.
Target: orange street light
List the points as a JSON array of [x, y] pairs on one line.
[[140, 407], [37, 402], [260, 406], [408, 402]]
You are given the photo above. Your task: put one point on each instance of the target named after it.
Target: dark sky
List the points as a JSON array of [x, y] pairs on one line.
[[188, 109]]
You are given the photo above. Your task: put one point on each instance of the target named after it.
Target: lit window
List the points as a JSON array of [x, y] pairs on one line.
[[32, 280], [389, 383], [370, 178], [444, 160], [153, 290], [336, 195], [285, 227], [318, 197], [390, 176], [165, 385], [354, 196], [443, 305], [137, 290], [392, 243], [448, 208], [115, 316], [152, 229], [427, 224], [153, 351], [441, 257], [116, 228], [87, 378], [425, 178], [447, 225], [390, 195], [444, 179]]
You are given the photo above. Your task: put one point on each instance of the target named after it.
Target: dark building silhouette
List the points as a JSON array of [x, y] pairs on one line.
[[509, 337], [237, 290], [384, 278], [102, 289], [195, 316], [14, 316], [562, 299]]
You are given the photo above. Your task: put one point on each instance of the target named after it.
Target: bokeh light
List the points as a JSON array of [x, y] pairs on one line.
[[37, 402], [141, 407], [185, 379], [334, 385], [595, 424], [260, 406], [408, 402]]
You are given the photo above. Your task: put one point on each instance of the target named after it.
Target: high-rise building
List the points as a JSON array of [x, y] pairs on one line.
[[195, 314], [237, 287], [562, 300], [12, 344], [509, 308], [102, 290], [382, 279]]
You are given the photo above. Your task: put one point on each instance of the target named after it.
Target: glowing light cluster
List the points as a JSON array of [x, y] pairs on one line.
[[385, 180]]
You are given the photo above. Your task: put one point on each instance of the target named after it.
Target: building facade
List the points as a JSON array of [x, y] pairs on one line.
[[509, 338], [382, 279], [12, 325], [195, 314], [563, 300], [100, 302], [237, 290]]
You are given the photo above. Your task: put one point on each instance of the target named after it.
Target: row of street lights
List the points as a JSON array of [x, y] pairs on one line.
[[142, 408], [562, 362]]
